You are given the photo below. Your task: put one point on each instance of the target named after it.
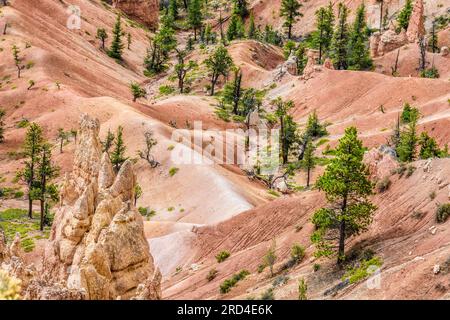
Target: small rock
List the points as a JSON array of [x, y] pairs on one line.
[[418, 258], [436, 269]]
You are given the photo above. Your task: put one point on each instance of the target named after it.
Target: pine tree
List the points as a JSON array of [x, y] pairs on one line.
[[428, 147], [270, 258], [116, 46], [118, 154], [218, 64], [2, 125], [320, 34], [252, 32], [404, 15], [32, 148], [195, 17], [407, 146], [339, 43], [182, 69], [62, 137], [281, 111], [240, 8], [347, 187], [302, 58], [102, 36], [137, 91], [290, 11], [173, 9], [17, 59], [232, 91], [108, 142], [46, 172], [309, 160], [433, 43], [359, 54], [162, 44], [236, 29]]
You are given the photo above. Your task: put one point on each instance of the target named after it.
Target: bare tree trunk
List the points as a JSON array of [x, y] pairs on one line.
[[341, 252]]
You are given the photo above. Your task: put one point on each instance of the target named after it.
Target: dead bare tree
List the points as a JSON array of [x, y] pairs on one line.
[[146, 154], [423, 53], [395, 67], [5, 3]]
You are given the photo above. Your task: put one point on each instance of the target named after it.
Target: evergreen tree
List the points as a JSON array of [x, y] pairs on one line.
[[137, 91], [182, 69], [404, 15], [162, 44], [2, 125], [236, 28], [359, 54], [232, 91], [324, 33], [339, 42], [116, 46], [320, 25], [108, 142], [118, 154], [173, 9], [290, 11], [252, 32], [347, 187], [17, 59], [195, 17], [409, 113], [32, 148], [270, 258], [302, 58], [240, 8], [433, 43], [281, 112], [46, 172], [407, 146], [428, 147], [218, 64], [309, 160], [102, 36], [62, 137]]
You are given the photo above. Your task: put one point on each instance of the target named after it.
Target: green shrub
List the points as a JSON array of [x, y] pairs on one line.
[[18, 194], [316, 267], [409, 113], [443, 212], [383, 185], [166, 90], [212, 274], [222, 256], [297, 253], [361, 271], [23, 123], [261, 268], [173, 171], [410, 170], [268, 295], [431, 73], [230, 283]]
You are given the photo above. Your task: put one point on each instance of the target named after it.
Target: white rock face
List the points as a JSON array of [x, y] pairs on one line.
[[97, 240]]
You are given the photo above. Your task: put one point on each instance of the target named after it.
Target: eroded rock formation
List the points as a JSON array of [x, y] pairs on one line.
[[98, 248], [382, 43], [416, 26], [144, 11]]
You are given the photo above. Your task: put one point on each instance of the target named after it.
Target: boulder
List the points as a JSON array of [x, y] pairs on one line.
[[445, 51]]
